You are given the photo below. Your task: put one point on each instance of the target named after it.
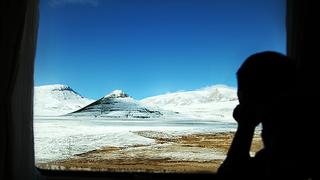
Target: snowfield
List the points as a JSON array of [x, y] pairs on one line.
[[59, 138]]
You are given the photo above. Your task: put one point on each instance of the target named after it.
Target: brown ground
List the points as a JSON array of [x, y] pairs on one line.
[[155, 158]]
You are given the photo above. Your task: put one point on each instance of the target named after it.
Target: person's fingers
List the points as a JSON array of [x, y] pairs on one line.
[[236, 113]]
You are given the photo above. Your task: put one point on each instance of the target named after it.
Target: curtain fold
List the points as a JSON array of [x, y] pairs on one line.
[[19, 24]]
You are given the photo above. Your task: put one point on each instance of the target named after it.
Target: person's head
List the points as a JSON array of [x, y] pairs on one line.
[[265, 76]]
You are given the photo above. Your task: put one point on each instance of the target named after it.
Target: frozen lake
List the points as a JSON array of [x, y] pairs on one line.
[[62, 137]]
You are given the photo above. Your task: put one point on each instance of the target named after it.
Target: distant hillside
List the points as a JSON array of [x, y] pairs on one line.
[[57, 99]]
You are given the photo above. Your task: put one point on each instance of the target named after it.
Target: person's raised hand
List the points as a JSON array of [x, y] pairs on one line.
[[246, 117]]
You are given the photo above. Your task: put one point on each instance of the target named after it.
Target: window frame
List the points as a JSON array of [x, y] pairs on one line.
[[21, 103]]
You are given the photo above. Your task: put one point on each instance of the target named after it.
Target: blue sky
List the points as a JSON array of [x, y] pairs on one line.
[[150, 47]]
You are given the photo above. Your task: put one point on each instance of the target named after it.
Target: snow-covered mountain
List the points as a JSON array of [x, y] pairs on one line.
[[57, 99], [117, 104], [211, 103]]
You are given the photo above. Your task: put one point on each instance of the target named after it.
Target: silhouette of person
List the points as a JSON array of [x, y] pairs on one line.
[[267, 93]]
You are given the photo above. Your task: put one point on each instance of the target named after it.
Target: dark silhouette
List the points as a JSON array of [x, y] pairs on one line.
[[268, 94]]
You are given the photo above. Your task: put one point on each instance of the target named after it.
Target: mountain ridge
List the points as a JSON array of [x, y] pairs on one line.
[[210, 103]]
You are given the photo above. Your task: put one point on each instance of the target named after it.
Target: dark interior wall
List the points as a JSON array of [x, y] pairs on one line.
[[303, 47], [303, 38]]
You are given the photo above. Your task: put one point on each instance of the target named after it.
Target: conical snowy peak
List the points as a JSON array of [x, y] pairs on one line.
[[57, 87], [117, 104], [57, 99], [117, 94]]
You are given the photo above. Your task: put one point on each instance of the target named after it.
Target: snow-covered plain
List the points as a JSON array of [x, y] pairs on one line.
[[62, 137], [109, 120]]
